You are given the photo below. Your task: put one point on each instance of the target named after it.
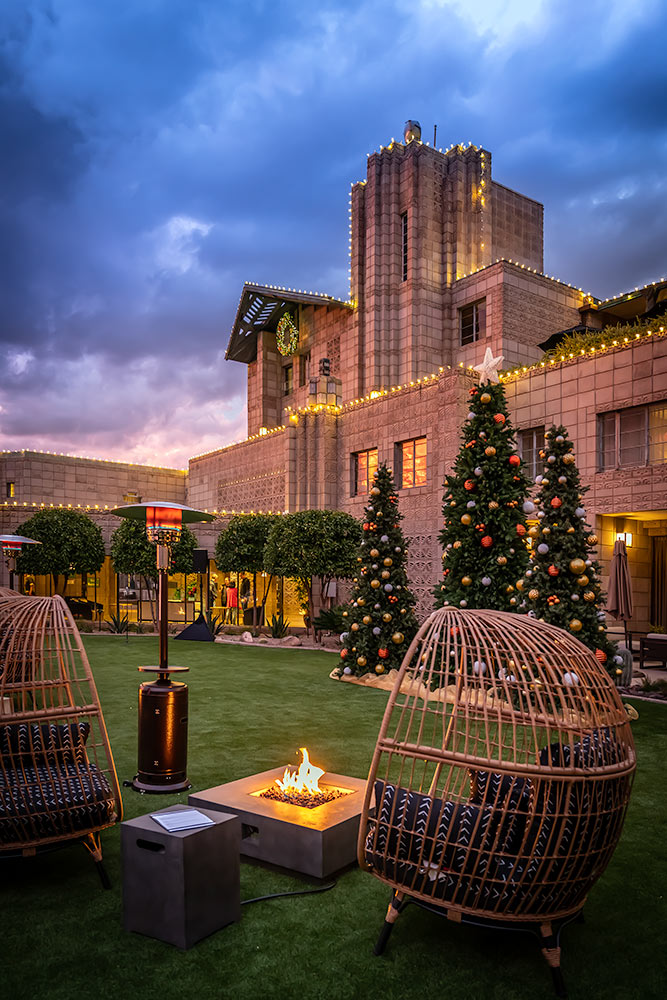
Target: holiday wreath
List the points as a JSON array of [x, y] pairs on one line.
[[287, 336]]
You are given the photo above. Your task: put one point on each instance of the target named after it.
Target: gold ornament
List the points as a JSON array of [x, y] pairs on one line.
[[358, 558], [375, 584], [520, 584], [354, 626], [512, 600], [533, 594], [466, 519], [375, 492], [592, 539], [575, 625], [583, 581], [387, 561], [501, 560], [546, 531], [398, 638], [577, 566], [361, 660], [466, 581], [485, 398], [570, 531], [489, 451], [403, 611], [493, 505], [367, 619], [374, 553], [344, 614], [457, 544], [386, 617], [361, 601], [379, 669], [509, 588], [385, 574], [589, 596], [534, 531], [568, 459]]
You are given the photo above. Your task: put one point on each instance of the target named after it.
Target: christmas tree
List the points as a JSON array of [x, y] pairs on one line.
[[485, 506], [380, 619], [562, 584]]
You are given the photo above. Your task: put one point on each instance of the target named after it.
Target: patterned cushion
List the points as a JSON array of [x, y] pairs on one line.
[[415, 829], [49, 743], [505, 792], [50, 801]]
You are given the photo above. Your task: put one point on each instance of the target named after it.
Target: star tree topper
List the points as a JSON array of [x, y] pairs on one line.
[[488, 370]]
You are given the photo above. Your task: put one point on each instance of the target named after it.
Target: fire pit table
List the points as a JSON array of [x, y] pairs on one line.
[[315, 841]]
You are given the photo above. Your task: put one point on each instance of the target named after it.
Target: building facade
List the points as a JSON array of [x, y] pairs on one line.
[[444, 262]]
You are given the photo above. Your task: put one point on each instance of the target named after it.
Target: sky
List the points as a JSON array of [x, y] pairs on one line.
[[156, 154]]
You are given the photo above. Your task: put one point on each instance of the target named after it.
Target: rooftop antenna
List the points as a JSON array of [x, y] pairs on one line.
[[435, 132]]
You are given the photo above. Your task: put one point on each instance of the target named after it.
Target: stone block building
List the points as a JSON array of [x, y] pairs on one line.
[[444, 262]]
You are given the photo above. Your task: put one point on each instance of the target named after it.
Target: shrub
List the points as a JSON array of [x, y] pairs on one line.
[[118, 624], [330, 620], [84, 626], [279, 626]]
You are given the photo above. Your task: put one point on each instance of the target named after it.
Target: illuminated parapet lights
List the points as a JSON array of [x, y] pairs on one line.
[[88, 458]]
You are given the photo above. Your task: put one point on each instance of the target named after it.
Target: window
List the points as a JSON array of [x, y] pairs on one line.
[[404, 246], [411, 462], [636, 436], [304, 368], [529, 443], [11, 490], [472, 322], [288, 383], [364, 467]]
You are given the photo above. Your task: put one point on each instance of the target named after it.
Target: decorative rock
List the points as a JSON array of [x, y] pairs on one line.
[[247, 637], [291, 640]]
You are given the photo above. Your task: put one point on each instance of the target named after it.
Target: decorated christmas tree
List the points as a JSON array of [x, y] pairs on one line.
[[380, 618], [562, 584], [485, 506]]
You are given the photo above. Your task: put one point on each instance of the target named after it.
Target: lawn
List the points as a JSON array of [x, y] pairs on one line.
[[250, 709]]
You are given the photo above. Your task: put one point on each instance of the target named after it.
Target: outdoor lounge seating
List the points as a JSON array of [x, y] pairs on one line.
[[653, 647], [57, 777], [501, 776]]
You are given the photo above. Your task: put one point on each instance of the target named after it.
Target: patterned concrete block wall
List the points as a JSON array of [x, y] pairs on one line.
[[246, 476], [518, 227], [64, 479]]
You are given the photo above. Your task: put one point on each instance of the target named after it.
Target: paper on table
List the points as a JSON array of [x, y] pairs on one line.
[[184, 819]]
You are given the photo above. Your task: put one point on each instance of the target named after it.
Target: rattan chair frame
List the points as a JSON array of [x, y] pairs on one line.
[[501, 775], [58, 781]]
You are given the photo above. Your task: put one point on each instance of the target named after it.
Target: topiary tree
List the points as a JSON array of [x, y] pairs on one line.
[[133, 554], [240, 548], [310, 543], [71, 543], [485, 506], [562, 584], [380, 618]]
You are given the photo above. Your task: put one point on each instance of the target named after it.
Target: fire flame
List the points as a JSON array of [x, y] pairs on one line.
[[304, 781]]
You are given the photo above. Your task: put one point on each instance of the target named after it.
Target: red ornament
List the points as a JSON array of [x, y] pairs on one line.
[[470, 484], [383, 653], [601, 655], [553, 570], [556, 502], [487, 541], [515, 460], [343, 653], [366, 525], [521, 529], [499, 418]]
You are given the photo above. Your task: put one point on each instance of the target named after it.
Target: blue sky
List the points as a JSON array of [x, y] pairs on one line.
[[157, 153]]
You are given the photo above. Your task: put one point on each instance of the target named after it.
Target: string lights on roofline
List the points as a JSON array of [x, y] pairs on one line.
[[530, 270], [89, 458], [17, 505]]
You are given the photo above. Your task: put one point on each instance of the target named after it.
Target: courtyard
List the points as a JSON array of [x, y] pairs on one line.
[[250, 708]]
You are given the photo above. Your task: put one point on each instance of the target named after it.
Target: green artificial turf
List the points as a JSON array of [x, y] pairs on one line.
[[250, 709]]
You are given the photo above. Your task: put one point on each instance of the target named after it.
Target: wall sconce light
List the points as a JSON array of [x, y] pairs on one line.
[[624, 536]]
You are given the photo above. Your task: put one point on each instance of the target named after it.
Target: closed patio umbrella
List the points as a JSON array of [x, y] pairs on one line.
[[619, 598]]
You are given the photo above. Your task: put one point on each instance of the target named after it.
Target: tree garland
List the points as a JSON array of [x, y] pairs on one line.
[[287, 336]]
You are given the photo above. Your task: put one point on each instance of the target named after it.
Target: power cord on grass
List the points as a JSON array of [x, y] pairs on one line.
[[296, 892]]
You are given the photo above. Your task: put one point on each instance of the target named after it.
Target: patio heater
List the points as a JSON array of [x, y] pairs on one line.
[[11, 548], [163, 702]]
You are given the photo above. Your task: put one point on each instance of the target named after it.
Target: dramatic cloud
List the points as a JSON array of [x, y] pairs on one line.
[[156, 155]]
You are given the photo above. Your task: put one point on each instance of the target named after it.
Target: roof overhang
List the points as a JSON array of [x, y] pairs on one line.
[[635, 304], [260, 308]]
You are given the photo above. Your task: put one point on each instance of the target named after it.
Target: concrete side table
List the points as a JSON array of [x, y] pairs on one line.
[[180, 887]]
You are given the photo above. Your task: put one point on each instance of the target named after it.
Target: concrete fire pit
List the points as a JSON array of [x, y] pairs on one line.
[[316, 841]]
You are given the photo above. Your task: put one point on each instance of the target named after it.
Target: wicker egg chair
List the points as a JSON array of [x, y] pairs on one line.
[[500, 779], [58, 782]]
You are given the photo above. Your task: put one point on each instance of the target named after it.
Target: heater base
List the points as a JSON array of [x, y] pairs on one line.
[[147, 786], [315, 842]]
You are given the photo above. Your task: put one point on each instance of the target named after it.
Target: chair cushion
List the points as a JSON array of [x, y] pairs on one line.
[[46, 801], [508, 795], [46, 743]]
